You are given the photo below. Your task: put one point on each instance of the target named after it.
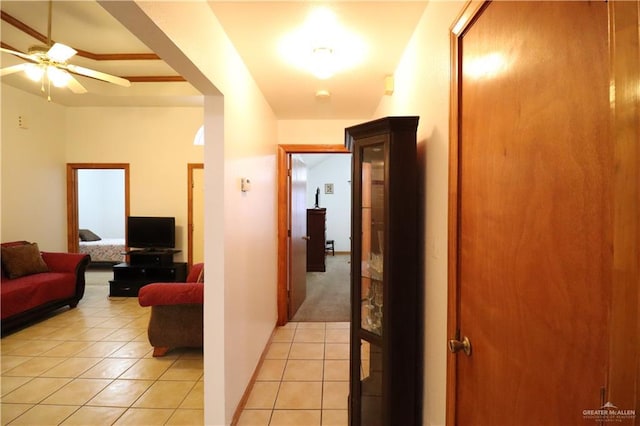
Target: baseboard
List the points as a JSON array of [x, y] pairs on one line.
[[252, 381]]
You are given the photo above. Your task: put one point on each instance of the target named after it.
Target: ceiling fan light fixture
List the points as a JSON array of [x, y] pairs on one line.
[[34, 71], [58, 77], [61, 52], [52, 60]]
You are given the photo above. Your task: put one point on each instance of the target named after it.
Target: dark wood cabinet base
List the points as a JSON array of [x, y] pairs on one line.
[[128, 278]]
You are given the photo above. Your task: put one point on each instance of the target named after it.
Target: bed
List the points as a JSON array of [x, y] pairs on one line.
[[102, 250]]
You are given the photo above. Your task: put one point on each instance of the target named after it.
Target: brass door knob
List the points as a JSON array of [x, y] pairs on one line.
[[457, 346]]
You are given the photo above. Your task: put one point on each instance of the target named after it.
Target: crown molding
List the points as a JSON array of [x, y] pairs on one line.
[[94, 56]]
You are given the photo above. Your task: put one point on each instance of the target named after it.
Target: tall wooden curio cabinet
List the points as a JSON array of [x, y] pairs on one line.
[[386, 298]]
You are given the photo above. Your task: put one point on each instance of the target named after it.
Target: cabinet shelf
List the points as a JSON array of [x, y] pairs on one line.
[[371, 338]]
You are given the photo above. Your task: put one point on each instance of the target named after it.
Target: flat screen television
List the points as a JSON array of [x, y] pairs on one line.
[[151, 232]]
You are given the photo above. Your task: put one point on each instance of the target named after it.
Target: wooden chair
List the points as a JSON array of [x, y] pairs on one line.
[[329, 247]]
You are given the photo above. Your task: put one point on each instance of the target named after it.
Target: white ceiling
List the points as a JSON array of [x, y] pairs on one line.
[[85, 25], [255, 28]]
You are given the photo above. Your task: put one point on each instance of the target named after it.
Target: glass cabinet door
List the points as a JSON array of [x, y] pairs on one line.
[[372, 243], [372, 280]]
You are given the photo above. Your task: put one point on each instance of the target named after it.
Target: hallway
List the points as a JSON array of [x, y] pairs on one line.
[[304, 378], [328, 293]]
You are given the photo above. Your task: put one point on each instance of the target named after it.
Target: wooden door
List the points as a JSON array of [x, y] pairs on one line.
[[198, 215], [531, 215], [298, 238], [195, 213]]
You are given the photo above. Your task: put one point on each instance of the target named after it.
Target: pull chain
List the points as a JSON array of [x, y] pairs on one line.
[[49, 22]]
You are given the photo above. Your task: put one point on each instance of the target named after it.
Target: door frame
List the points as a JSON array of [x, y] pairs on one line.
[[460, 24], [73, 245], [284, 151], [190, 169], [624, 371]]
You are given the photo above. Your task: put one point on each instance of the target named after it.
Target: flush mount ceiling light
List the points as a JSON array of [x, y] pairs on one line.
[[322, 63], [322, 46]]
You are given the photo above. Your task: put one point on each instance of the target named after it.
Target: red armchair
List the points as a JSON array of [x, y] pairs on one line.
[[176, 312]]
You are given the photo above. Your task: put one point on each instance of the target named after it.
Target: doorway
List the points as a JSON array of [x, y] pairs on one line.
[[284, 231], [74, 171], [327, 204], [195, 213]]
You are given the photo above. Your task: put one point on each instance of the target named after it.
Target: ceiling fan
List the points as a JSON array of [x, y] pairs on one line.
[[48, 64]]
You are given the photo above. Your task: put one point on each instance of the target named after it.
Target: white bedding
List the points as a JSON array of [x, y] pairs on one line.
[[104, 250]]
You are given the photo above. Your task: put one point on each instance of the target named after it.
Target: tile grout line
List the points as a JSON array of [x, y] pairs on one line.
[[98, 359], [275, 400]]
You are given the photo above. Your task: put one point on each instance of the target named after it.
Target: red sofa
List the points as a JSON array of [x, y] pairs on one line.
[[176, 312], [27, 297]]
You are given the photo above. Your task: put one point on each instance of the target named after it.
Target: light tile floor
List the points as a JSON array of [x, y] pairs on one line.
[[93, 365], [304, 378]]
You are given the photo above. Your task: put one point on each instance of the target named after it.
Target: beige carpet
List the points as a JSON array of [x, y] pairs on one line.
[[328, 293]]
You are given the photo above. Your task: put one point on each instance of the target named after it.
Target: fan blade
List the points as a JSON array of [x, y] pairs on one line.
[[61, 52], [19, 54], [99, 75], [12, 69], [75, 86]]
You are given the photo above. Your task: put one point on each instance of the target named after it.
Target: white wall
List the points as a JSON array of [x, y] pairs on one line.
[[334, 169], [314, 132], [240, 228], [422, 84], [33, 170], [101, 202], [157, 142]]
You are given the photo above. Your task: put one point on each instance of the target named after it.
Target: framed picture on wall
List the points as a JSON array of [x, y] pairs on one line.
[[328, 188]]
